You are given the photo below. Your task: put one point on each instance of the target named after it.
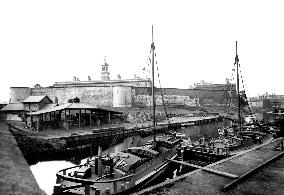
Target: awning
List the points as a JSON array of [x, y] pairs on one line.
[[70, 106], [13, 107]]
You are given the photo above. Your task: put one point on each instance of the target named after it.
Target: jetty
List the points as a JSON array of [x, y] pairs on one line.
[[258, 170], [81, 137]]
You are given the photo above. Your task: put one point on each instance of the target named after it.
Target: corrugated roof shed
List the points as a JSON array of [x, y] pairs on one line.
[[74, 106], [13, 107]]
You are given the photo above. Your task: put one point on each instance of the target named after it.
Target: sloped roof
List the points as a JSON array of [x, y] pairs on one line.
[[35, 99], [13, 107], [74, 106]]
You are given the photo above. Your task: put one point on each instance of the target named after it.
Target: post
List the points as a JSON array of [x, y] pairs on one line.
[[90, 118], [108, 117], [238, 87], [37, 123], [153, 84], [281, 134], [97, 192], [99, 161], [31, 127], [115, 187], [79, 118], [65, 115], [87, 189]]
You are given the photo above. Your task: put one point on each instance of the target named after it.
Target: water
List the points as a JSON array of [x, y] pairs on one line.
[[45, 172]]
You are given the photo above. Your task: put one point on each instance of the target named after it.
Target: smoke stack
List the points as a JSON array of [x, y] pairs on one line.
[[56, 101], [118, 77], [74, 78], [89, 78]]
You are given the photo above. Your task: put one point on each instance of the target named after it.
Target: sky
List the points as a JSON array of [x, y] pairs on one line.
[[48, 41]]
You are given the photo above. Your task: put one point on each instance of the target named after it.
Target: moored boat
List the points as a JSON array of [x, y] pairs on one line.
[[124, 171]]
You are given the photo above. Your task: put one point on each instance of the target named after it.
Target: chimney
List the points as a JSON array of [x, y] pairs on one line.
[[56, 101], [89, 78]]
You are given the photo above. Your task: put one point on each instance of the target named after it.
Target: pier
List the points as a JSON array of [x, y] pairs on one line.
[[84, 136], [255, 171]]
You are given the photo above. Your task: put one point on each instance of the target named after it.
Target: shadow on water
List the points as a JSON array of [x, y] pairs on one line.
[[53, 162]]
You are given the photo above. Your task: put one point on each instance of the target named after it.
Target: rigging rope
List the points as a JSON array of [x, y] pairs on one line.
[[161, 91]]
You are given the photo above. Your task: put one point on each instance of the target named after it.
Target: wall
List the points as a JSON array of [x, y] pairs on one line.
[[13, 117], [88, 95], [18, 94], [31, 107], [146, 100], [122, 96], [215, 96]]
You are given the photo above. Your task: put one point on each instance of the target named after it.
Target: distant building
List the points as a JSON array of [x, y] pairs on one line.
[[120, 92], [210, 86]]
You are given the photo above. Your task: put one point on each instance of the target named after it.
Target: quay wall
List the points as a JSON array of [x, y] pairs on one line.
[[15, 174]]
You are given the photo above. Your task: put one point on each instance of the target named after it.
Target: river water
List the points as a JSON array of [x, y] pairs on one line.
[[45, 171]]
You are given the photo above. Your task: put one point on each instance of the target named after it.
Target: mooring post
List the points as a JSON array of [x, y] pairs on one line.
[[107, 192], [87, 189], [99, 161], [115, 187], [281, 145], [97, 191]]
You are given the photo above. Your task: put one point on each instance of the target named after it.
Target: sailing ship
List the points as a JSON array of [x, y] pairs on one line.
[[231, 138], [125, 171]]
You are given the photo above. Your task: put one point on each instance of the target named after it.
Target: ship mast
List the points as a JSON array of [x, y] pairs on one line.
[[238, 87], [153, 86]]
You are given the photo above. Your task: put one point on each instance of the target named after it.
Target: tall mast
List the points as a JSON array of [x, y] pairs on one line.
[[153, 84], [238, 87]]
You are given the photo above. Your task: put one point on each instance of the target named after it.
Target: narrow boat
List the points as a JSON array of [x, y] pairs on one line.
[[125, 171]]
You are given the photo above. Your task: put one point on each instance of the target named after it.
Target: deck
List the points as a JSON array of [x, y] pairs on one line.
[[268, 178]]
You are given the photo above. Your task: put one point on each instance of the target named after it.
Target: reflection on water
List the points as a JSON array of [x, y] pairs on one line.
[[45, 172]]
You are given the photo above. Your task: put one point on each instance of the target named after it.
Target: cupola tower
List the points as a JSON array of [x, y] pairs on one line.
[[105, 73]]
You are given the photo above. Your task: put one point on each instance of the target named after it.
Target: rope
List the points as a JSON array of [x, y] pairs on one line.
[[161, 91]]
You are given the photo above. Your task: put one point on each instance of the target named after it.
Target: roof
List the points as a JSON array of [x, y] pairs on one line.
[[13, 107], [48, 106], [35, 99], [72, 106]]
